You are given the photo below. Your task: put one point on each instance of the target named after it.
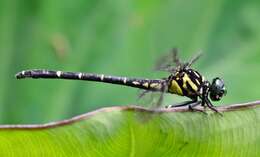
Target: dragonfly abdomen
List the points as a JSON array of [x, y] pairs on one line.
[[147, 84]]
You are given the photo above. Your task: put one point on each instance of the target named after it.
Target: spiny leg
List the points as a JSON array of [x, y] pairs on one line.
[[191, 105], [194, 104], [185, 103], [206, 101], [209, 105]]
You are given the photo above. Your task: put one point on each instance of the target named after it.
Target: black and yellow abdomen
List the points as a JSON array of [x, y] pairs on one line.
[[185, 83]]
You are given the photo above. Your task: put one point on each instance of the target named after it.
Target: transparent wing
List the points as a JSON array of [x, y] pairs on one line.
[[194, 59], [169, 62], [153, 99]]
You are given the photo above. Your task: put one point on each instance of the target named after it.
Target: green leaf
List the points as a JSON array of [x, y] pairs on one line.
[[122, 131]]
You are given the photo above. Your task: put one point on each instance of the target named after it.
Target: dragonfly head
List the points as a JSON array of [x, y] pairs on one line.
[[217, 89]]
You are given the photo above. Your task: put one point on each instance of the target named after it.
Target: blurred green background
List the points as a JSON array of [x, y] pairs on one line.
[[119, 37]]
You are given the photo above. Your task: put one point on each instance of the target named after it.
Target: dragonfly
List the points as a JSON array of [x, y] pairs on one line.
[[182, 80]]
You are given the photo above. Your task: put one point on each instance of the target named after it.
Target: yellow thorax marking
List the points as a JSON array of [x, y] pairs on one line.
[[175, 88], [186, 79]]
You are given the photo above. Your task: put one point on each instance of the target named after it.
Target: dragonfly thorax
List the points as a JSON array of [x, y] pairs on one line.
[[185, 82]]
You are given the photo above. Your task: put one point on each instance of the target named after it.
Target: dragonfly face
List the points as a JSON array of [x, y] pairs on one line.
[[217, 89]]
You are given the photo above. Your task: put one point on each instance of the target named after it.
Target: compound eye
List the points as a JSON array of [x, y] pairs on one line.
[[219, 83], [217, 89]]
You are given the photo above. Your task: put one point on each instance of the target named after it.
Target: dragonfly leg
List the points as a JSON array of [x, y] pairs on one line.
[[209, 105], [205, 102], [194, 104], [185, 103], [191, 104]]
